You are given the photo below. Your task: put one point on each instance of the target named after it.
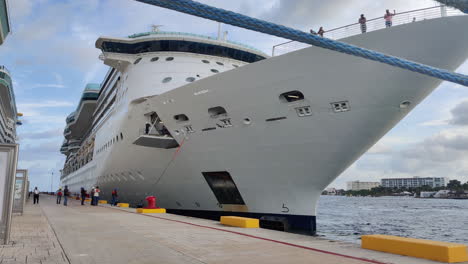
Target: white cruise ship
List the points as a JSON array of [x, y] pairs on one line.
[[211, 127], [8, 112]]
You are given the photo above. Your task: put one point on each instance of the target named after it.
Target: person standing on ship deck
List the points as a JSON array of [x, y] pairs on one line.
[[321, 31], [147, 128], [388, 18], [362, 20], [59, 196]]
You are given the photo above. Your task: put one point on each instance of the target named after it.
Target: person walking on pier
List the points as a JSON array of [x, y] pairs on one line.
[[92, 195], [362, 21], [83, 195], [59, 195], [66, 193], [36, 196], [114, 197], [96, 196], [388, 18]]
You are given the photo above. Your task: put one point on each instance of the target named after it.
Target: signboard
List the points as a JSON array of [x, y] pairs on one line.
[[19, 196], [8, 161]]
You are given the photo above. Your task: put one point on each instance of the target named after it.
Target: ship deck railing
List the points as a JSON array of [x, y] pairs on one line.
[[400, 18]]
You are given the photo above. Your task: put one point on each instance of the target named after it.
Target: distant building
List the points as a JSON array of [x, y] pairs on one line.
[[4, 21], [331, 191], [359, 185], [414, 182]]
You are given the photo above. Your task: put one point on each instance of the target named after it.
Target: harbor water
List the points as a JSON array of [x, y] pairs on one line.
[[347, 218]]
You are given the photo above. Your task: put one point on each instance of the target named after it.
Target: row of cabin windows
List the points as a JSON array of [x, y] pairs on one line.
[[188, 79], [110, 142], [180, 46], [172, 58]]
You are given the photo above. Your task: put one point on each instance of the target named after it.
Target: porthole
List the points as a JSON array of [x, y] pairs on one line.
[[154, 59], [219, 63], [167, 79], [247, 121], [137, 61], [121, 136], [205, 61], [169, 58], [291, 96], [214, 70], [190, 79], [235, 66]]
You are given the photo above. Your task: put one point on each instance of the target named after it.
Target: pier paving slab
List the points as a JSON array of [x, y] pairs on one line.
[[105, 234]]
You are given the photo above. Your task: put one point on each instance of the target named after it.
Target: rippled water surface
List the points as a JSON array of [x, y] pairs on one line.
[[347, 218]]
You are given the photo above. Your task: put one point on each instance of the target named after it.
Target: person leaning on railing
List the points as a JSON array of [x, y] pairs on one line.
[[362, 21], [388, 18]]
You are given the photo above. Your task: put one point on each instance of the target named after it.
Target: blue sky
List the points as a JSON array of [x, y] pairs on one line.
[[51, 56]]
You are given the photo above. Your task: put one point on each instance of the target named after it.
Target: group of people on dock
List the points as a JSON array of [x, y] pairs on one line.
[[388, 17], [94, 195]]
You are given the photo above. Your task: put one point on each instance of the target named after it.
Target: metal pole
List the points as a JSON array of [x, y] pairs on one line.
[[51, 181]]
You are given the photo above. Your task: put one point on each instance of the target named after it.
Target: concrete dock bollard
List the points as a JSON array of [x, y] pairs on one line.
[[123, 205], [102, 202]]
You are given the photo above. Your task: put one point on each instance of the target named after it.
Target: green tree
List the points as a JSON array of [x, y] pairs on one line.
[[454, 185]]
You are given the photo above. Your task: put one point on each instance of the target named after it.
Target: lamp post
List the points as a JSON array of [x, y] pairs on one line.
[[51, 180]]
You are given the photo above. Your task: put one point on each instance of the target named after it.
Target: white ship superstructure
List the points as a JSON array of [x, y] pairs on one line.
[[212, 127], [8, 113]]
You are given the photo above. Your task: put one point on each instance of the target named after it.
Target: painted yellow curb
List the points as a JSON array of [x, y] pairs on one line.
[[102, 202], [151, 211], [237, 221], [123, 205], [419, 248], [87, 200]]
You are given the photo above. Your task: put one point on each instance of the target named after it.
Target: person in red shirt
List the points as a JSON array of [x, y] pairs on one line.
[[59, 195]]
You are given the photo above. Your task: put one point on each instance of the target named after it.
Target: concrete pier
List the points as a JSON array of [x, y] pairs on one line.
[[51, 233]]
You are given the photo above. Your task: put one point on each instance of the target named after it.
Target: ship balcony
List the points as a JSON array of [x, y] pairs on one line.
[[155, 139]]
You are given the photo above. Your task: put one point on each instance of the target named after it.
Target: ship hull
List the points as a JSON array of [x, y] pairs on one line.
[[277, 159]]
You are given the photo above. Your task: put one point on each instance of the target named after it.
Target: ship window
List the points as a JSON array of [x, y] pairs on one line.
[[223, 187], [205, 61], [219, 63], [121, 136], [154, 59], [167, 79], [169, 58], [214, 70], [137, 61], [216, 111], [190, 79], [181, 118], [291, 96]]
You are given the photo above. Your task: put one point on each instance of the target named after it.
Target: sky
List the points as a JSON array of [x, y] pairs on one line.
[[51, 56]]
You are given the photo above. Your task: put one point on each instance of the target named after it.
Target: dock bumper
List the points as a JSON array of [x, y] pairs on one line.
[[102, 202], [419, 248], [123, 205], [151, 211], [237, 221]]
